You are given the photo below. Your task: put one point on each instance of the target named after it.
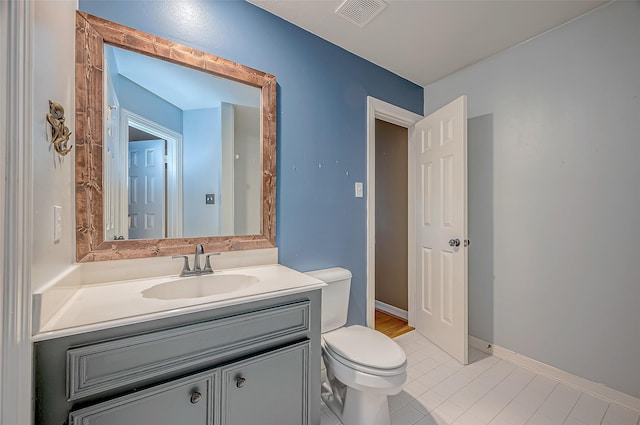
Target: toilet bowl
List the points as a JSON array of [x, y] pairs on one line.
[[363, 366]]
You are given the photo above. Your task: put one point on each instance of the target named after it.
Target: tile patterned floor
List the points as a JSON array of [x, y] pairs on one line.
[[489, 391]]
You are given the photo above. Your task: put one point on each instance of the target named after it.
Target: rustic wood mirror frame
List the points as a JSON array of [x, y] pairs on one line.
[[91, 35]]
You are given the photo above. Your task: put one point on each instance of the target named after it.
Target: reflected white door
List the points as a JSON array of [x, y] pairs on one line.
[[146, 189], [441, 224]]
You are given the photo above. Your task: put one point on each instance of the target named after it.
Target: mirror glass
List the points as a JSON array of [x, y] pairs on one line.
[[174, 147], [182, 151]]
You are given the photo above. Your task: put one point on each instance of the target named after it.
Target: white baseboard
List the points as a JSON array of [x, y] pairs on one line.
[[595, 389], [398, 312], [480, 344]]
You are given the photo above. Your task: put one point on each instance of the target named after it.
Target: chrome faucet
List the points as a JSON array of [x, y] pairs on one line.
[[197, 270]]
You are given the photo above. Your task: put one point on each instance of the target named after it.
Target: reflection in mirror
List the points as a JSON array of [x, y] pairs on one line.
[[182, 153], [216, 183]]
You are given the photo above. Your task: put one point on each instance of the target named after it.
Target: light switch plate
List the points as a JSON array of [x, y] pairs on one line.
[[359, 190]]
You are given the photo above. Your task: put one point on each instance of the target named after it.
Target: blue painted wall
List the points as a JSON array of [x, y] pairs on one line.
[[322, 92]]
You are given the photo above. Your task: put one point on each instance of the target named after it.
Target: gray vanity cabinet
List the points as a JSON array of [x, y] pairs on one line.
[[184, 401], [250, 364], [268, 389]]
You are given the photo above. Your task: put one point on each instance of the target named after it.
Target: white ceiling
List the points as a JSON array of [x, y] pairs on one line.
[[183, 87], [425, 40]]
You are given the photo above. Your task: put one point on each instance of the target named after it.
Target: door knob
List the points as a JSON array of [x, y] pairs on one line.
[[454, 242], [240, 381]]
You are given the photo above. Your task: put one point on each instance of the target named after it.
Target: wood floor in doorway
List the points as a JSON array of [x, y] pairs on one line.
[[391, 326]]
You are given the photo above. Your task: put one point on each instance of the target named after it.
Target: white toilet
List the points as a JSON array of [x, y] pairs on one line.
[[363, 365]]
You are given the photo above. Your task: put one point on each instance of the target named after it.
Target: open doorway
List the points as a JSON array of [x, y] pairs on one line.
[[391, 210], [147, 186], [383, 116], [437, 301], [136, 131]]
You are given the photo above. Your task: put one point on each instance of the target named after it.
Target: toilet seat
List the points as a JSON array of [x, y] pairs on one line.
[[365, 350], [362, 368]]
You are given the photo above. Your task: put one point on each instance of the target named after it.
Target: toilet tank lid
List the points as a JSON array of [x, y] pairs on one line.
[[331, 275]]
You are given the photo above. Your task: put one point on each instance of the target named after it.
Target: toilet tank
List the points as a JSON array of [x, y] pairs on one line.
[[335, 296]]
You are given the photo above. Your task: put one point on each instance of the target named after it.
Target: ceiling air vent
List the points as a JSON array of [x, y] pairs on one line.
[[360, 12]]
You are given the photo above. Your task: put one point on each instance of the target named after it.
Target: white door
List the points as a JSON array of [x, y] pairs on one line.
[[441, 228], [146, 189]]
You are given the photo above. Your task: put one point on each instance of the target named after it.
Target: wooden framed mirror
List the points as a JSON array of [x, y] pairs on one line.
[[93, 183]]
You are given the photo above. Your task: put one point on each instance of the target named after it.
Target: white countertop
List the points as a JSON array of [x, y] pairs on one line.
[[105, 305]]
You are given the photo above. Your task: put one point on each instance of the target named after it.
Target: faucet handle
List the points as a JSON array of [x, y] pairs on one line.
[[196, 257], [207, 263], [185, 266]]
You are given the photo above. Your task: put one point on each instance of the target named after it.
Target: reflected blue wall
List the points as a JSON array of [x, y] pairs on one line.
[[142, 102], [321, 126], [202, 172]]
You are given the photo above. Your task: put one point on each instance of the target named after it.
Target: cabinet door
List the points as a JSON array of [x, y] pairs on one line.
[[269, 389], [182, 401]]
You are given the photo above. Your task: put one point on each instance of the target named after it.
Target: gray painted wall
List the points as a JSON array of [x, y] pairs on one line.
[[563, 195], [480, 222], [53, 176]]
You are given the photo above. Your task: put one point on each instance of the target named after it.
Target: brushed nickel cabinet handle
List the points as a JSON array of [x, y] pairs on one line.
[[195, 397], [240, 382]]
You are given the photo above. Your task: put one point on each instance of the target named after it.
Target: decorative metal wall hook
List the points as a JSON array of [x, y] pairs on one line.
[[59, 132]]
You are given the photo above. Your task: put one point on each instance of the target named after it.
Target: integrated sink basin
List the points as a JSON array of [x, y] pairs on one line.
[[200, 286]]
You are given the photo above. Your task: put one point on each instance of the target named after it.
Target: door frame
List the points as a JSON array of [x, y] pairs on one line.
[[379, 109], [174, 166], [17, 24]]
